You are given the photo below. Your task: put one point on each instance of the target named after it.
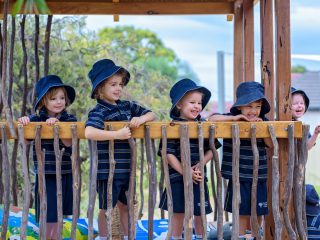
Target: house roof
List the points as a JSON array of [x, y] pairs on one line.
[[309, 82]]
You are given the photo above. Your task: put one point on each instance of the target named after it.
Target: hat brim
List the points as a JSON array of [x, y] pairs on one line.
[[245, 100], [70, 92], [104, 75], [312, 210], [205, 100]]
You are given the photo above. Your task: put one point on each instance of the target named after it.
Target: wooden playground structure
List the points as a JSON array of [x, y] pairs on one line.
[[287, 159]]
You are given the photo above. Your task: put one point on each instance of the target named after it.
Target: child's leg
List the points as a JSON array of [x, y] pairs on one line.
[[244, 224], [124, 215], [102, 223], [177, 223], [52, 230], [198, 225]]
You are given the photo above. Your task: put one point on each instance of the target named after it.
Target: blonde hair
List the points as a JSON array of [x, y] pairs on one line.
[[98, 93], [52, 92]]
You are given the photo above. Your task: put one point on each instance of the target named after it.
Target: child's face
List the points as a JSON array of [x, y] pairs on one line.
[[190, 105], [56, 103], [112, 89], [298, 106], [252, 110]]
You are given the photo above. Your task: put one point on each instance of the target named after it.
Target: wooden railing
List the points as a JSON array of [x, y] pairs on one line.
[[295, 132]]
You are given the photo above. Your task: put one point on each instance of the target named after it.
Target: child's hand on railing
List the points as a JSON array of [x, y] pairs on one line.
[[51, 121], [240, 117], [136, 122], [24, 120], [196, 174], [123, 133]]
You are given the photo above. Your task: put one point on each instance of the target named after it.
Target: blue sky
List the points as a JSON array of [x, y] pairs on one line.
[[196, 39]]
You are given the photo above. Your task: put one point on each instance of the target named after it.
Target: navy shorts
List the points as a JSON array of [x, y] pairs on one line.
[[51, 187], [119, 188], [245, 192], [178, 198]]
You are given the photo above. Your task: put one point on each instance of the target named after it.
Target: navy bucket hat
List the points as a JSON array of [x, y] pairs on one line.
[[306, 99], [48, 82], [312, 201], [181, 88], [103, 69], [248, 92]]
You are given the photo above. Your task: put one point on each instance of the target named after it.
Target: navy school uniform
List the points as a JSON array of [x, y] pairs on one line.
[[104, 112], [245, 175], [50, 170], [176, 179]]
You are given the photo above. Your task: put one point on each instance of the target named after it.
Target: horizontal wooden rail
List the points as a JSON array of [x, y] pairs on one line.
[[223, 129]]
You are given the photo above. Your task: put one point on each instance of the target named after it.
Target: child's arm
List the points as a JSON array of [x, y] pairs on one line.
[[313, 139], [174, 163], [102, 135], [137, 121], [226, 118]]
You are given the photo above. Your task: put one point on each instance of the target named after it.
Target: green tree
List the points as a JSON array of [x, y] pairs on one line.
[[298, 69]]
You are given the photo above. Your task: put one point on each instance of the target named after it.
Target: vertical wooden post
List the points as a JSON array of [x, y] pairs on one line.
[[268, 81], [248, 40], [283, 75], [238, 45]]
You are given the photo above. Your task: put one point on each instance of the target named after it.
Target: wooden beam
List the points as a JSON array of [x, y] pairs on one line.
[[135, 8], [248, 40], [223, 129], [267, 75], [238, 45], [283, 75]]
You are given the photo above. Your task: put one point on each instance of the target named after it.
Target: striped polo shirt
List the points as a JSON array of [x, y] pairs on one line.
[[104, 112], [173, 147], [48, 146], [313, 223], [245, 159]]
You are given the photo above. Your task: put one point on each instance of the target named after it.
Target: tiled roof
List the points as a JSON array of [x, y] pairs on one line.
[[309, 82]]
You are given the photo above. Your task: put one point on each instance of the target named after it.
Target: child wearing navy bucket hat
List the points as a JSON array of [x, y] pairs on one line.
[[299, 106], [53, 97], [251, 105], [313, 212], [188, 100], [108, 81]]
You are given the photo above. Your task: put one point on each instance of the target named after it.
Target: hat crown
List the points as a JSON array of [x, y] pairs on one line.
[[312, 196], [100, 66], [248, 88], [46, 82], [182, 86]]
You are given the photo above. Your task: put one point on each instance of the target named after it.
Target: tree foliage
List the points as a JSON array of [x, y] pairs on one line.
[[298, 69]]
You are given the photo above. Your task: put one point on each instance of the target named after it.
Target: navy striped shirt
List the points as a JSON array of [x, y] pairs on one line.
[[48, 145], [245, 159], [104, 112], [173, 147], [313, 223]]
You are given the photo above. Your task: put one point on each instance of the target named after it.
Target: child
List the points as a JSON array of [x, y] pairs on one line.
[[53, 97], [300, 104], [251, 105], [108, 81], [313, 212], [188, 100]]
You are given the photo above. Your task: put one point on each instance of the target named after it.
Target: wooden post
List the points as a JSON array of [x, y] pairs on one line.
[[132, 189], [76, 178], [58, 153], [274, 182], [248, 40], [212, 134], [238, 35], [140, 214], [167, 180], [236, 198], [283, 75], [26, 181], [267, 79]]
